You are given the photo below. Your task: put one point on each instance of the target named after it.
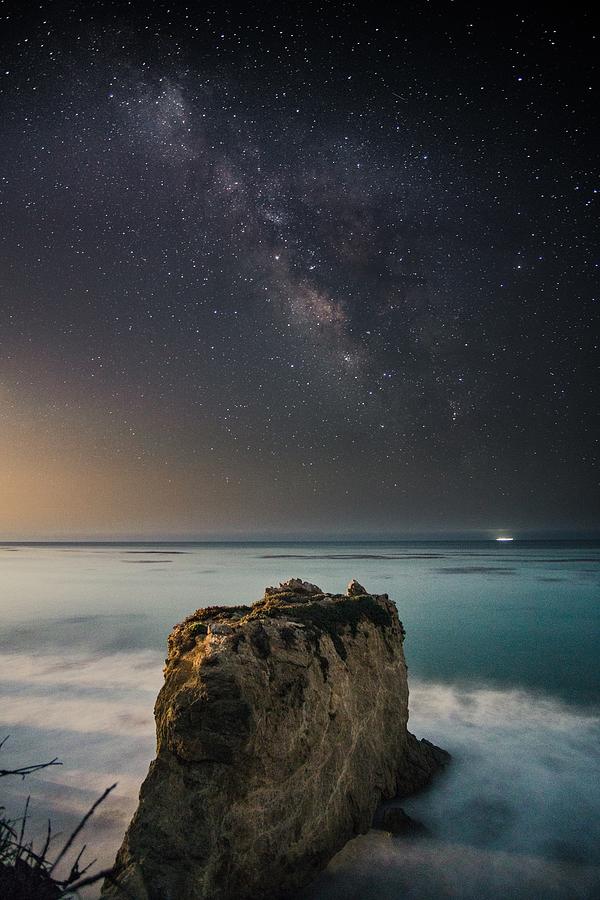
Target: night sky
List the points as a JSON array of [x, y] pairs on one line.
[[297, 270]]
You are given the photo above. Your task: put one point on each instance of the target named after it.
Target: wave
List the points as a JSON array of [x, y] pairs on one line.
[[516, 815]]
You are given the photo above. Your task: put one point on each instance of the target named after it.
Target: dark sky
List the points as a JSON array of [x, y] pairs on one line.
[[303, 269]]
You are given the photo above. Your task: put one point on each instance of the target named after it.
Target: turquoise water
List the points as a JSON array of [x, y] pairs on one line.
[[502, 647]]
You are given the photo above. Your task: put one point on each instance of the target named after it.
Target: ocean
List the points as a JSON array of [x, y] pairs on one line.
[[502, 648]]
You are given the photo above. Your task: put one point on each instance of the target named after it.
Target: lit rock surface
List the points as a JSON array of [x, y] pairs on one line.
[[280, 727]]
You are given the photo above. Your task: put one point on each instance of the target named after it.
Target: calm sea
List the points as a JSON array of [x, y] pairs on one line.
[[502, 647]]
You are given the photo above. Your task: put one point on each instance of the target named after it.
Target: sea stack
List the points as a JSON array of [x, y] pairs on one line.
[[280, 728]]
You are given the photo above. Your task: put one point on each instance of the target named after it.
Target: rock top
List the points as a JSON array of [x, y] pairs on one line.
[[280, 728], [355, 589]]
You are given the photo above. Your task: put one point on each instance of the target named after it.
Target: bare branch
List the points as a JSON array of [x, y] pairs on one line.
[[28, 770], [81, 825]]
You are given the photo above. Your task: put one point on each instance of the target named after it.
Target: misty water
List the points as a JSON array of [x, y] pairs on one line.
[[502, 648]]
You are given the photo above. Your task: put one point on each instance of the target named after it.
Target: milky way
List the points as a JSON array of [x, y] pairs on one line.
[[297, 270]]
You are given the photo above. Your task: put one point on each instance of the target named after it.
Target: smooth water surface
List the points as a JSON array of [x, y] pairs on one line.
[[502, 647]]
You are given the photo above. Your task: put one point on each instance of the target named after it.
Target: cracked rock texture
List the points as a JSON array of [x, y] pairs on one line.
[[280, 727]]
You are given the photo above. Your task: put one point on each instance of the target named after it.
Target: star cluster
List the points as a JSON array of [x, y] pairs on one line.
[[297, 269]]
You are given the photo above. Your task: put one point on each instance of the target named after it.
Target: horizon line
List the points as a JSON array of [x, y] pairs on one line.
[[515, 539]]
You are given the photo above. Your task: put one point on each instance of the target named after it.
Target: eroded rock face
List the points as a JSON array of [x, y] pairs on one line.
[[280, 727]]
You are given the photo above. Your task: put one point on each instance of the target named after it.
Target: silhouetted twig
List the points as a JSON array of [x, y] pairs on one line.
[[81, 825], [28, 875]]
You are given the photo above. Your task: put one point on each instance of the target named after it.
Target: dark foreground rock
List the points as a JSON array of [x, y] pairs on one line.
[[280, 728], [22, 881], [396, 821]]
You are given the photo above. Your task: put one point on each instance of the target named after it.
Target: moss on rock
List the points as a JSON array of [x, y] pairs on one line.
[[332, 618]]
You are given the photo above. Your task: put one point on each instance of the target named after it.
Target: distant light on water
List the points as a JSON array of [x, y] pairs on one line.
[[504, 539]]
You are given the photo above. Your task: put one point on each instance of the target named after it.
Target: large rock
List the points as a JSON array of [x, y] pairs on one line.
[[280, 727]]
